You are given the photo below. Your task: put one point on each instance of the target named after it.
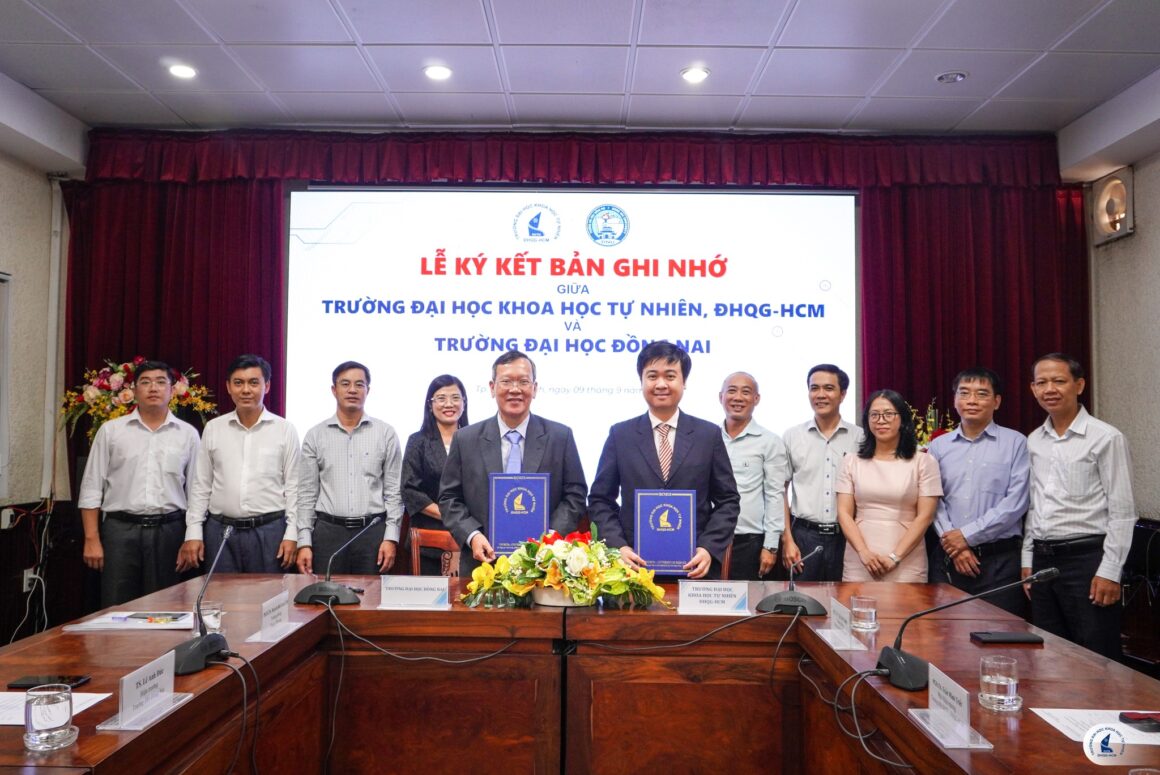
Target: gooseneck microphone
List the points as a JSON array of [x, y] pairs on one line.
[[323, 592], [195, 654], [910, 672], [791, 601]]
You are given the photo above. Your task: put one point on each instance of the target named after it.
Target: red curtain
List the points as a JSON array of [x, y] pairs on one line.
[[972, 250]]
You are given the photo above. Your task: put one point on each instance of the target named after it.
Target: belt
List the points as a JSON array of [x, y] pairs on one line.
[[822, 528], [349, 522], [999, 546], [248, 523], [1069, 545], [145, 520]]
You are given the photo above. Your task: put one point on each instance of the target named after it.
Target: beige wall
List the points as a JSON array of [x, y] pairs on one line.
[[25, 215], [1126, 336]]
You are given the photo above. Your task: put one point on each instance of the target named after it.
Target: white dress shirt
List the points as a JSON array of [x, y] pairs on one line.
[[1081, 485], [672, 423], [350, 474], [137, 470], [758, 458], [813, 463], [245, 472]]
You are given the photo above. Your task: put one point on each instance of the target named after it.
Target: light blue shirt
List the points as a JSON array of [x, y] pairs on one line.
[[986, 483], [758, 458]]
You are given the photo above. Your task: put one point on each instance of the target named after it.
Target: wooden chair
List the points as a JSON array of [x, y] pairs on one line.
[[727, 562], [437, 539]]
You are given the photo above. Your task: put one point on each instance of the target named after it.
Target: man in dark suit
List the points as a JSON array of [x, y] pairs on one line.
[[639, 451], [487, 447]]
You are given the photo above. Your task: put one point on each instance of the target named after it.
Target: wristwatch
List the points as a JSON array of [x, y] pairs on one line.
[[894, 557], [771, 549]]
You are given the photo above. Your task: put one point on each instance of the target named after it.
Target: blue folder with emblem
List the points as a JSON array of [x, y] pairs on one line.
[[665, 534], [518, 509]]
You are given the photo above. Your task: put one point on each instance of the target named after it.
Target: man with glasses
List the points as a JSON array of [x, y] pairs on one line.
[[350, 473], [137, 473], [985, 477], [814, 452], [513, 441]]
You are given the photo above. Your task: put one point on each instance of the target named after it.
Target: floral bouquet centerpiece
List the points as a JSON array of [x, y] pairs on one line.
[[575, 569], [108, 394], [931, 425]]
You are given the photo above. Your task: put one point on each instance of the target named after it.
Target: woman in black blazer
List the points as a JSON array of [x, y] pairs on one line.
[[444, 412]]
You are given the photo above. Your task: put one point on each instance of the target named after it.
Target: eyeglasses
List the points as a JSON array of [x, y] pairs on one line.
[[965, 394], [879, 416], [508, 384], [444, 400], [346, 384], [148, 383]]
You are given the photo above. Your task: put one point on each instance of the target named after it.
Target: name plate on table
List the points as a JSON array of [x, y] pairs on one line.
[[415, 593], [948, 718], [276, 622], [518, 509], [720, 598], [665, 534], [838, 634], [147, 695]]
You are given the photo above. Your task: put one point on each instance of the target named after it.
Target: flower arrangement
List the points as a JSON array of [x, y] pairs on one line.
[[931, 425], [577, 565], [108, 394]]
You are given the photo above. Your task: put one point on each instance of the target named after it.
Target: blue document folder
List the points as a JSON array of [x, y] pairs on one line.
[[518, 509], [665, 534]]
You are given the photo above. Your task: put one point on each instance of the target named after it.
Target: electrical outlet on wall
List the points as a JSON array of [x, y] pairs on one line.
[[28, 578], [7, 518]]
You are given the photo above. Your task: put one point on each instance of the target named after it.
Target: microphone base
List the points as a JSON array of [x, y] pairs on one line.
[[791, 602], [195, 654], [906, 670], [321, 592]]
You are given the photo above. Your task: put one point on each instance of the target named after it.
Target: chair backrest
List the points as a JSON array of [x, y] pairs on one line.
[[436, 539]]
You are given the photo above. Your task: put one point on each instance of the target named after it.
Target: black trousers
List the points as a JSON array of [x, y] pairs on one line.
[[1061, 606], [138, 560], [746, 560], [826, 566], [995, 569], [360, 558]]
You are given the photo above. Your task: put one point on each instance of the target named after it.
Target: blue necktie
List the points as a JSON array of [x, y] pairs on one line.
[[515, 461]]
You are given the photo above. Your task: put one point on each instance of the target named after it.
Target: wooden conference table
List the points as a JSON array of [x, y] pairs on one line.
[[578, 690]]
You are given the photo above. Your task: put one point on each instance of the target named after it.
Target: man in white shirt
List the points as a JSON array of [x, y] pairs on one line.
[[351, 466], [137, 473], [1082, 512], [758, 458], [814, 452], [246, 476]]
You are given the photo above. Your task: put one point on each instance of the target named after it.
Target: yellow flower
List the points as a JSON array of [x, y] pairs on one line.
[[503, 565], [554, 579], [645, 579], [482, 578]]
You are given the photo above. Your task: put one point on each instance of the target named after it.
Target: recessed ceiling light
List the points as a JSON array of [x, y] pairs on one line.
[[182, 71], [695, 74], [437, 72], [952, 76]]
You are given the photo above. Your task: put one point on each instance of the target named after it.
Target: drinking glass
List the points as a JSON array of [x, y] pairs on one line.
[[48, 718], [999, 684], [863, 614]]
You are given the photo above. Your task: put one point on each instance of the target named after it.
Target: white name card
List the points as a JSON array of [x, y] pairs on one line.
[[839, 618], [948, 718], [838, 634], [276, 622], [717, 598], [415, 593], [146, 695]]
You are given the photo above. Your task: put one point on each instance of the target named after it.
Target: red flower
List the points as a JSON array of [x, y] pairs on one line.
[[138, 360], [550, 537], [584, 538]]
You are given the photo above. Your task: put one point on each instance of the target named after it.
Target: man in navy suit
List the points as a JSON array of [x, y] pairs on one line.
[[639, 451], [539, 445]]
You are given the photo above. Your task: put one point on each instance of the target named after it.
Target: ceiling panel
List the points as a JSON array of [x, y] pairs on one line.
[[857, 23], [658, 70], [652, 110], [565, 69], [1081, 76], [722, 22], [216, 111], [115, 108], [321, 108], [127, 21], [1006, 24], [471, 110], [407, 21], [277, 21], [24, 24], [987, 72], [474, 67], [921, 115], [1123, 25], [818, 113], [59, 67], [592, 22], [148, 66], [562, 110], [1023, 116], [308, 68], [825, 71]]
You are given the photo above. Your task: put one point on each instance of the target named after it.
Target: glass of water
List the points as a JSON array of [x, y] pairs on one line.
[[211, 615], [999, 684], [48, 718], [863, 614]]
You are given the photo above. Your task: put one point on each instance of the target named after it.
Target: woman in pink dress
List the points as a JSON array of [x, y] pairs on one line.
[[887, 495]]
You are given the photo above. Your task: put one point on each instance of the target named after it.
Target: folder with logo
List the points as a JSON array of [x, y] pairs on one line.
[[519, 509], [666, 529]]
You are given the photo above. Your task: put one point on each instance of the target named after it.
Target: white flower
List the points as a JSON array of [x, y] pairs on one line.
[[577, 560], [561, 549]]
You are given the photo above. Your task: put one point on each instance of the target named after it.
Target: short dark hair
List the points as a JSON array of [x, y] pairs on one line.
[[843, 377], [663, 350], [249, 361], [145, 366], [978, 374], [510, 357], [430, 427], [347, 366], [907, 441], [1072, 364]]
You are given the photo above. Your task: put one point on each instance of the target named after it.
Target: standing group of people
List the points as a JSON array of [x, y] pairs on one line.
[[1001, 504]]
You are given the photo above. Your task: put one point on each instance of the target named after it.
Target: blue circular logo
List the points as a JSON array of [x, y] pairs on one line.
[[607, 225]]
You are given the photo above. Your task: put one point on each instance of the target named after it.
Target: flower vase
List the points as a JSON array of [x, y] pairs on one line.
[[555, 597]]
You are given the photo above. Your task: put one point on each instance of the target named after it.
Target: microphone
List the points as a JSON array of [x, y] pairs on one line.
[[791, 601], [322, 592], [195, 654], [910, 672]]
